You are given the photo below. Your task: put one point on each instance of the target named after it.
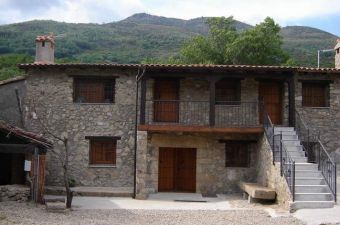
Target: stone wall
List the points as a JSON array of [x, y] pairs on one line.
[[18, 193], [49, 102], [269, 174], [9, 110], [323, 120], [212, 176], [337, 60]]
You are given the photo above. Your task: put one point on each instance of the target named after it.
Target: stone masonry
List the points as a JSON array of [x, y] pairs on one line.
[[49, 101]]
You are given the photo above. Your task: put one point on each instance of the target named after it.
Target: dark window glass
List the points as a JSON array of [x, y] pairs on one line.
[[315, 94], [94, 90], [228, 92], [236, 154]]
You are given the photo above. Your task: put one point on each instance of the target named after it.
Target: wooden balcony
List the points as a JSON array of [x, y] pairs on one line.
[[200, 116]]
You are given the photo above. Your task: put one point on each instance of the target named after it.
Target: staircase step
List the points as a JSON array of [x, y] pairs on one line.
[[284, 129], [313, 197], [311, 205], [288, 143], [293, 132], [310, 181], [300, 159], [294, 148], [290, 137], [306, 166], [307, 173], [311, 188]]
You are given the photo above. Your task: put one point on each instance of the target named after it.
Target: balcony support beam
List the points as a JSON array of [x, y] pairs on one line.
[[142, 101], [291, 100], [212, 93]]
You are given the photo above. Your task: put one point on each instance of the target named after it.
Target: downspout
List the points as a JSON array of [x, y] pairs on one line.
[[138, 77]]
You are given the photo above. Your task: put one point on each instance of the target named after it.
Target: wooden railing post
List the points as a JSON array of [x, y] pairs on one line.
[[212, 102], [142, 101]]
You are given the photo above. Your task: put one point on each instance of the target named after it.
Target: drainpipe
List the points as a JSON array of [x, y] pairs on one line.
[[138, 77]]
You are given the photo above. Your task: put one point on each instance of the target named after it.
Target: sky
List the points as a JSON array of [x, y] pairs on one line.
[[322, 14]]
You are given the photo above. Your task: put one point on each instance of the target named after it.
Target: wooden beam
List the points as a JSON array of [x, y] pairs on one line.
[[17, 148], [201, 129], [291, 101], [142, 101], [212, 94]]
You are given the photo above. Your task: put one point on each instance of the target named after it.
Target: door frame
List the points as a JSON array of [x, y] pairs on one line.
[[176, 168], [280, 84], [176, 104]]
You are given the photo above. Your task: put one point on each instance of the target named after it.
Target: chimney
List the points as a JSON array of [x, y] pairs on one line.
[[337, 54], [44, 52]]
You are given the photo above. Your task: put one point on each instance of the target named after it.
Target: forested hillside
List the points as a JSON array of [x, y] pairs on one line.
[[138, 38]]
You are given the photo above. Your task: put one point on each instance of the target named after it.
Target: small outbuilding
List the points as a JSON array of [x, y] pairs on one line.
[[22, 161]]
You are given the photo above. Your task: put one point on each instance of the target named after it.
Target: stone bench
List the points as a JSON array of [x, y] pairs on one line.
[[257, 191]]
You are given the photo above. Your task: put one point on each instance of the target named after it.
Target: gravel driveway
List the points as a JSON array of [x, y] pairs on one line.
[[28, 213]]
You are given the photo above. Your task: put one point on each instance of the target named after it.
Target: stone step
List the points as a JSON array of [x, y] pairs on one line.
[[311, 205], [54, 199], [276, 132], [312, 188], [290, 137], [313, 196], [310, 181], [55, 206], [291, 153], [308, 173], [284, 129], [294, 148], [288, 143], [306, 166], [300, 159]]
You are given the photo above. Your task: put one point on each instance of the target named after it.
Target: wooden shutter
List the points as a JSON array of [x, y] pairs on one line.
[[236, 154], [228, 91], [315, 95], [94, 90], [103, 151]]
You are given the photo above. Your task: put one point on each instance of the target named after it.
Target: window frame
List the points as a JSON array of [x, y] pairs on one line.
[[237, 164], [325, 85], [232, 84], [103, 80], [102, 139]]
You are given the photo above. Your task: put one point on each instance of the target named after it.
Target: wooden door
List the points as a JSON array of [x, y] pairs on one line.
[[177, 169], [166, 100], [271, 94]]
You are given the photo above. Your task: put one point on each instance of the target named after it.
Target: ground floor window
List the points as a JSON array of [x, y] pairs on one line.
[[237, 154], [103, 150]]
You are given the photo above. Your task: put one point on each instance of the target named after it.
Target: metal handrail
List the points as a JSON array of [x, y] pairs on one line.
[[287, 165], [325, 163], [268, 129]]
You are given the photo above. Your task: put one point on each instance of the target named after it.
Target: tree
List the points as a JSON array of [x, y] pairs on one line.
[[48, 119], [260, 45]]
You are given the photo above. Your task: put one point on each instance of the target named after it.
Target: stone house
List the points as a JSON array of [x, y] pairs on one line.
[[183, 128]]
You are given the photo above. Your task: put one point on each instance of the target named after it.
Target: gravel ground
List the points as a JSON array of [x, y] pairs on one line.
[[28, 213]]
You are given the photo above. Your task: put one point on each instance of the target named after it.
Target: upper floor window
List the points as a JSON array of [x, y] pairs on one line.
[[228, 92], [315, 94], [94, 90]]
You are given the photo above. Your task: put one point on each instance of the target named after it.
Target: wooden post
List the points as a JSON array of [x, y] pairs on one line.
[[291, 104], [212, 92], [142, 101]]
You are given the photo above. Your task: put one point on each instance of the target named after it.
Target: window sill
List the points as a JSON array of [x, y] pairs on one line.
[[311, 107], [78, 103], [102, 166]]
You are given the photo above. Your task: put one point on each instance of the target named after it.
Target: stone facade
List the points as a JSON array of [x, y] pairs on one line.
[[212, 176], [9, 110], [269, 174], [18, 193], [324, 121], [49, 101], [337, 60]]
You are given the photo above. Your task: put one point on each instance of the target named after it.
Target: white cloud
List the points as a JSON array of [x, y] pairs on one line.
[[99, 11]]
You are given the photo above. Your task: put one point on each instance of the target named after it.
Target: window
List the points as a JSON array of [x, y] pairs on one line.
[[228, 92], [94, 90], [103, 150], [236, 154], [315, 94]]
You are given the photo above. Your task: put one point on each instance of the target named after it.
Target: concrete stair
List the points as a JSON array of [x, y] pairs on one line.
[[311, 189]]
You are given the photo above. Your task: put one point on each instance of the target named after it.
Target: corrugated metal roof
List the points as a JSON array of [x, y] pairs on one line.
[[183, 66], [12, 80]]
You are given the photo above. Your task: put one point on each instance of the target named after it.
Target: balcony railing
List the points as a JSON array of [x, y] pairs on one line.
[[201, 113]]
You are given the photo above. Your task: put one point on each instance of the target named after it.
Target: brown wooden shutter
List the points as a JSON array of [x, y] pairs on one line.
[[94, 90], [315, 95], [103, 151]]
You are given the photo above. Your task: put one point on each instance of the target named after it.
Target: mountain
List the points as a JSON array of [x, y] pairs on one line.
[[143, 36]]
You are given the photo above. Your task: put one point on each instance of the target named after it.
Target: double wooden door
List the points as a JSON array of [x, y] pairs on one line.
[[166, 98], [177, 169], [271, 94]]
